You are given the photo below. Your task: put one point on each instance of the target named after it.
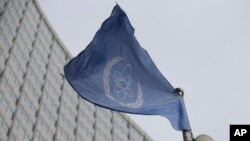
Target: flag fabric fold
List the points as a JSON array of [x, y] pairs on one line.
[[115, 72]]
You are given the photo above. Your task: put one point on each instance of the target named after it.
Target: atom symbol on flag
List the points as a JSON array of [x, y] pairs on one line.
[[123, 82]]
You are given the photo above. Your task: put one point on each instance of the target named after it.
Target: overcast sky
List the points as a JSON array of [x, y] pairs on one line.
[[202, 46]]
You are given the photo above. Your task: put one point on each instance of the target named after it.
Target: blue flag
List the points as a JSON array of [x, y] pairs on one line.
[[115, 72]]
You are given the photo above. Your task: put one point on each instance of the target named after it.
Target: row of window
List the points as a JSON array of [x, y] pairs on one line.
[[25, 117], [59, 53], [84, 134], [6, 30], [59, 58], [64, 134], [16, 69], [36, 81], [102, 136], [38, 136], [55, 67], [51, 101], [44, 41], [120, 131], [70, 97], [20, 58], [32, 103], [3, 125], [67, 117], [28, 29], [20, 3], [16, 10], [22, 133], [120, 138], [6, 108], [45, 111], [43, 126], [42, 49], [83, 102], [40, 59], [43, 45], [7, 88], [5, 45], [70, 105], [48, 107], [48, 86], [30, 89], [23, 43], [45, 32], [10, 77], [86, 122], [54, 77], [2, 4], [118, 118], [2, 62], [29, 24], [11, 20], [104, 114], [33, 10], [37, 69], [135, 135]]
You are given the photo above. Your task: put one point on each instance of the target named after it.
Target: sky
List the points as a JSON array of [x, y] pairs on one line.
[[202, 46]]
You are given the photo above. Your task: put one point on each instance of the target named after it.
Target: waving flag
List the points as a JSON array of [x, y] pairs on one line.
[[115, 72]]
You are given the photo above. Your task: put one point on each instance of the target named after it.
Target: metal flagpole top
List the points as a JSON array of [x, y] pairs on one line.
[[180, 91], [187, 135]]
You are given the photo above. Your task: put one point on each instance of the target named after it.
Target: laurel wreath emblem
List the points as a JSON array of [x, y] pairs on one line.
[[137, 103]]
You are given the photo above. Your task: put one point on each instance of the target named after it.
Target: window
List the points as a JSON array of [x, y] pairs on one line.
[[22, 132], [5, 127], [1, 95], [4, 82], [78, 138], [47, 112], [33, 109], [4, 104], [36, 136], [16, 124], [10, 91], [41, 138], [2, 5], [45, 126], [12, 138], [25, 115], [50, 133], [1, 121], [29, 103], [9, 112], [26, 138], [30, 124]]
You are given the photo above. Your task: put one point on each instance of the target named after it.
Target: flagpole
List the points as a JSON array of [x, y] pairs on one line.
[[187, 135]]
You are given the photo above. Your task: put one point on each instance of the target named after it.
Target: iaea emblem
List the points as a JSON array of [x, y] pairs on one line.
[[122, 84]]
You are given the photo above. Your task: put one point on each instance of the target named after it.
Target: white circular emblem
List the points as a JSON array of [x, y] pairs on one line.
[[122, 84]]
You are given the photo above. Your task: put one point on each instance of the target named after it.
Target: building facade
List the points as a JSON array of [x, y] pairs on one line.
[[36, 102]]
